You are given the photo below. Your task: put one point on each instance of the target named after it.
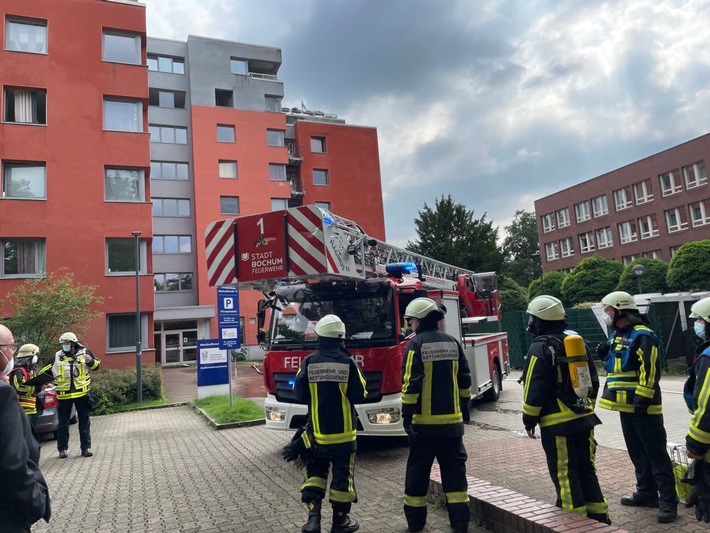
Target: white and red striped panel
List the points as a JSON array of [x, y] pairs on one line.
[[306, 246], [220, 252]]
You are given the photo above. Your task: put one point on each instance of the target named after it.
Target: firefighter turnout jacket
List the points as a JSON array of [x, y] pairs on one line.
[[330, 383], [633, 368], [542, 404], [698, 438], [26, 393], [436, 380], [72, 378]]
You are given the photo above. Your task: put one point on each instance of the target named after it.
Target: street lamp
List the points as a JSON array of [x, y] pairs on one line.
[[639, 270], [139, 369]]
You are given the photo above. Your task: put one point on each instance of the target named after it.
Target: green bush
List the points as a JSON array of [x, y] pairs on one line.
[[118, 387]]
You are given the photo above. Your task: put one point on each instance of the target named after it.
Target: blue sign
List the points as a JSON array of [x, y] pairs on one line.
[[228, 318], [212, 363]]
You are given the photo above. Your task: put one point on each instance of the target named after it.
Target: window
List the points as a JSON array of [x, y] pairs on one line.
[[674, 221], [600, 206], [323, 205], [279, 203], [122, 331], [275, 138], [669, 183], [586, 242], [169, 99], [272, 103], [173, 282], [168, 170], [24, 180], [124, 185], [229, 205], [551, 251], [628, 259], [582, 211], [226, 134], [223, 98], [123, 115], [698, 214], [238, 66], [167, 134], [548, 223], [320, 177], [318, 145], [604, 238], [621, 199], [22, 258], [695, 175], [563, 217], [25, 106], [647, 227], [171, 65], [172, 244], [642, 192], [277, 172], [672, 250], [627, 232], [122, 48], [171, 207], [121, 256], [228, 169], [566, 247], [653, 254], [26, 35]]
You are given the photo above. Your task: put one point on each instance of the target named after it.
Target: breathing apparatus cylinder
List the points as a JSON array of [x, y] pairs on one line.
[[576, 353]]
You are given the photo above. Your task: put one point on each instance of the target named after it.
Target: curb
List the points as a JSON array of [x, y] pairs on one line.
[[505, 511], [229, 425]]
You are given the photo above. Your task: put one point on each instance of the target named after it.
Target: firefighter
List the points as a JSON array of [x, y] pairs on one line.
[[330, 383], [71, 368], [633, 365], [25, 361], [697, 441], [566, 423], [436, 391]]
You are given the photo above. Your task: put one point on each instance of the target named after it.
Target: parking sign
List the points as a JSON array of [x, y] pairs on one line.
[[228, 318]]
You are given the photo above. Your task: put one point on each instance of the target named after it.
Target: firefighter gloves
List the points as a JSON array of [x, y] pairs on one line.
[[602, 350], [699, 477]]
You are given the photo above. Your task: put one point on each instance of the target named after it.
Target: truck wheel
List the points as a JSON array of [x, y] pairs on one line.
[[492, 394]]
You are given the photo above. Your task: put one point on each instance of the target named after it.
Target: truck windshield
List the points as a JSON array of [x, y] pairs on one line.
[[366, 308]]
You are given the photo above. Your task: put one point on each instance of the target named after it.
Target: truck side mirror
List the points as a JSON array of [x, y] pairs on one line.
[[261, 337]]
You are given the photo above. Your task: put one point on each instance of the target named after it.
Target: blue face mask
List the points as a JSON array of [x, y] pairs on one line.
[[699, 328]]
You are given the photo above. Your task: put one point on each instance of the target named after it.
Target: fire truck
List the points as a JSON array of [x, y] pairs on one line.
[[308, 263]]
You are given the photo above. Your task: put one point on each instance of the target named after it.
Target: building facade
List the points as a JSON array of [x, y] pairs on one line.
[[646, 209], [112, 141]]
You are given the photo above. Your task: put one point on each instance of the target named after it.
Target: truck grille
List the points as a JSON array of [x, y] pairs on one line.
[[284, 389]]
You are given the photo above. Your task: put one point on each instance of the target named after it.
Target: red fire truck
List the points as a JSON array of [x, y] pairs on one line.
[[308, 263]]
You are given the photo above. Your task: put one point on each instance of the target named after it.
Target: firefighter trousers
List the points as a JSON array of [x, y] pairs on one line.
[[342, 485], [645, 438], [82, 413], [451, 456], [570, 461]]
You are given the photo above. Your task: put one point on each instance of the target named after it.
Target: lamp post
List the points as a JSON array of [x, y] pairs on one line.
[[639, 270], [139, 367]]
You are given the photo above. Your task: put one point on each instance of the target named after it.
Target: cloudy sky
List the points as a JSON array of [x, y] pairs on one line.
[[495, 102]]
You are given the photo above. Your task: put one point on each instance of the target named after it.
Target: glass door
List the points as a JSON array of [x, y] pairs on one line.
[[172, 348]]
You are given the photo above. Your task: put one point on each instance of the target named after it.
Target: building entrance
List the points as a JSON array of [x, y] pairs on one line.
[[176, 342]]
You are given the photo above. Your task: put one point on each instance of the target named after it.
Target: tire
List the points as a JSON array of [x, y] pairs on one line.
[[492, 394]]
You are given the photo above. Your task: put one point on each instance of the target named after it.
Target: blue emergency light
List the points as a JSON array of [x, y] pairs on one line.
[[399, 269]]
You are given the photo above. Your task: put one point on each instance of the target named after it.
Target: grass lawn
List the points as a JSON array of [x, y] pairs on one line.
[[219, 410]]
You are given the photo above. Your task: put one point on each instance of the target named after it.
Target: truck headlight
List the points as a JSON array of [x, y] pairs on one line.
[[274, 414], [389, 415]]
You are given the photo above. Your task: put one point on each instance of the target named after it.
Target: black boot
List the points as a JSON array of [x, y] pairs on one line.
[[313, 524], [342, 523]]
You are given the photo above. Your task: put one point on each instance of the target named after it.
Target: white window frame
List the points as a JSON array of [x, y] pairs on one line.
[[679, 225], [627, 233], [605, 238], [118, 174], [36, 255], [127, 246], [671, 187], [642, 192], [552, 251], [699, 176], [646, 228], [653, 254], [548, 223], [29, 43], [582, 211], [566, 247], [704, 219], [562, 216], [124, 104], [11, 167], [124, 37], [586, 242], [600, 206], [621, 199]]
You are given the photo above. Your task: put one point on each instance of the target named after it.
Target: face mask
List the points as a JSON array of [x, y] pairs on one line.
[[609, 321], [66, 347], [9, 367], [34, 359], [699, 328]]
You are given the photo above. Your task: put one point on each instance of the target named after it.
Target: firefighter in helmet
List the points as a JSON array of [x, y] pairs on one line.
[[436, 391], [71, 368], [633, 365], [25, 361], [566, 419], [330, 383]]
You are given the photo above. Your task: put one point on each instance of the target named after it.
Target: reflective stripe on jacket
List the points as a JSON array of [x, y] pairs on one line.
[[72, 378], [26, 393], [698, 438]]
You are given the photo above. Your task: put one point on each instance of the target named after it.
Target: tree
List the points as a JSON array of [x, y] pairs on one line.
[[44, 308], [521, 248], [689, 268], [451, 234], [591, 280], [653, 280], [513, 296], [551, 284]]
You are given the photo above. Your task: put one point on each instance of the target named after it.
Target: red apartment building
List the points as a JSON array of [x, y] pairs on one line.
[[106, 133], [646, 209]]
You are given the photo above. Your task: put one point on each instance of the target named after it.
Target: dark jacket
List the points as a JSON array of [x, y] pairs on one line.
[[24, 496], [698, 438]]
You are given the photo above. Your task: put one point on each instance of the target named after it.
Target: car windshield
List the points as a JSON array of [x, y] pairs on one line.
[[366, 308]]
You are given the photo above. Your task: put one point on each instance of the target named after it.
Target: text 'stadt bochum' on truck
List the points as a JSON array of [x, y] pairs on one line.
[[308, 263]]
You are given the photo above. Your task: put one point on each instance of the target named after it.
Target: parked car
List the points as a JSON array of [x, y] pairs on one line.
[[48, 421]]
